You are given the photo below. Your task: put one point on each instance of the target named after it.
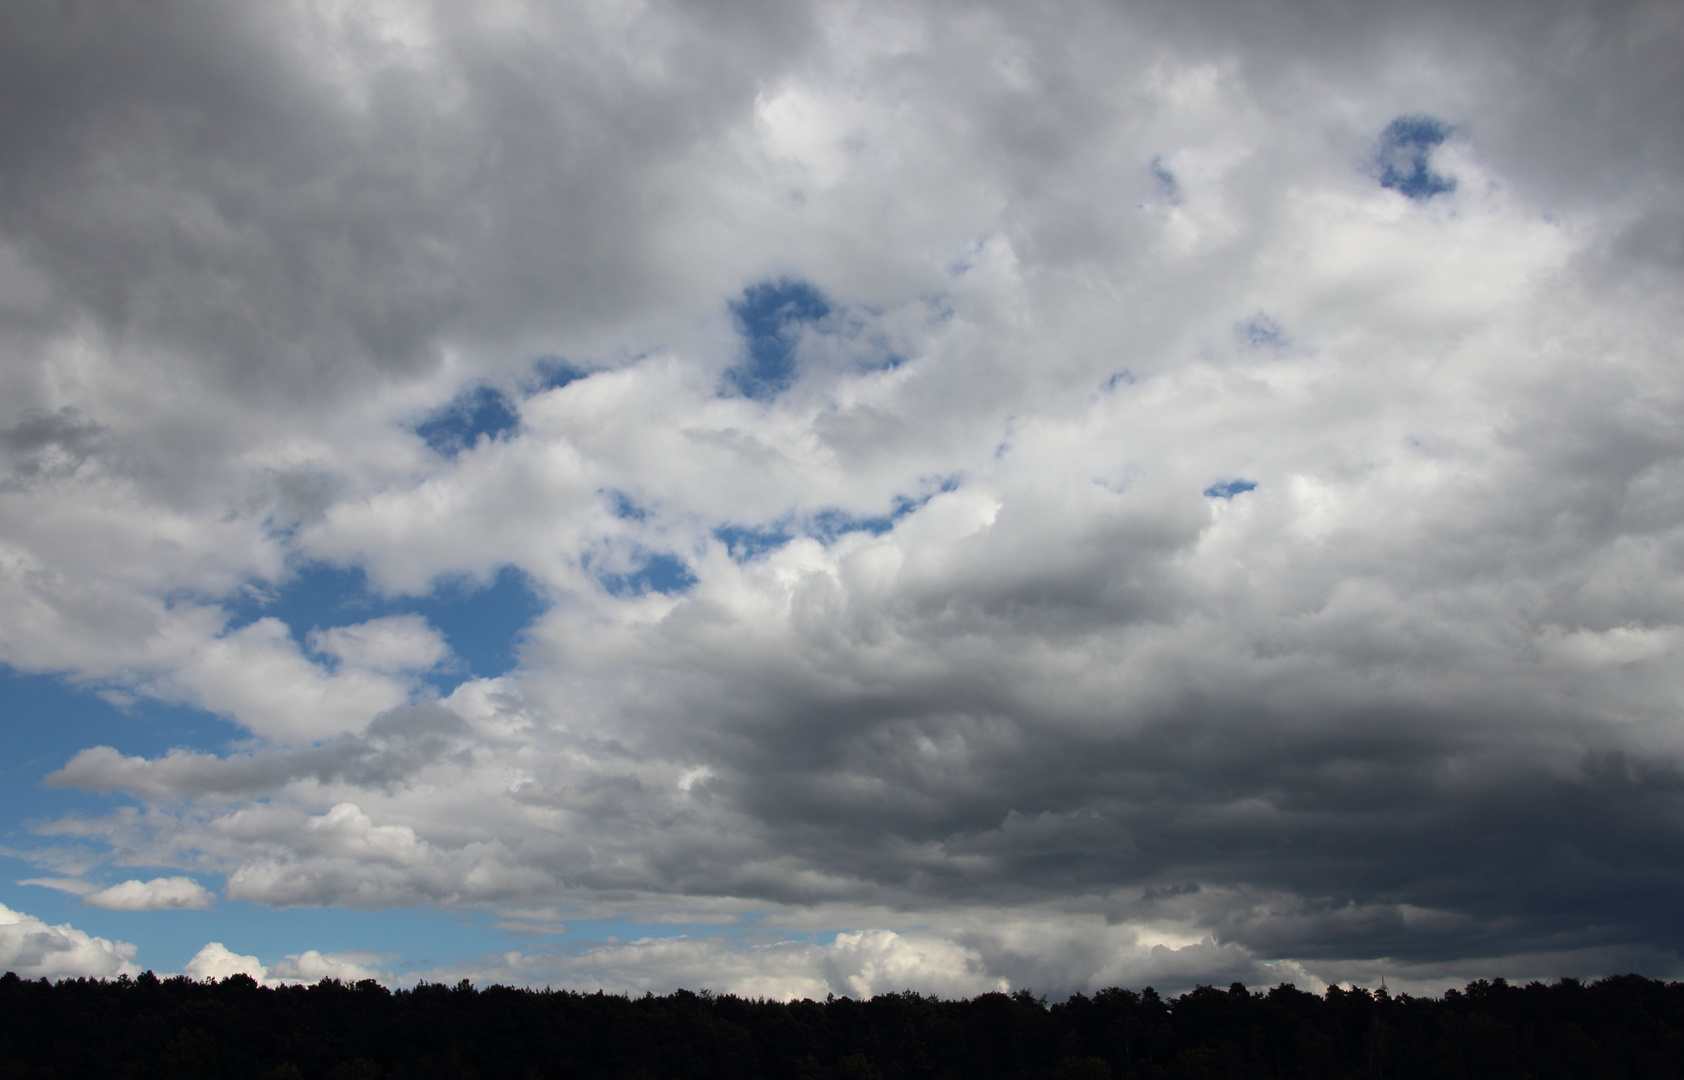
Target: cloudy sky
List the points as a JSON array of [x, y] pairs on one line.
[[837, 497]]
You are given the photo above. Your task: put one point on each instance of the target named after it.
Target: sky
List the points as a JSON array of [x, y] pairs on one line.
[[840, 497]]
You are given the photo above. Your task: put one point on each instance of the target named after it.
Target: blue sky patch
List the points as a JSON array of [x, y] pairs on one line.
[[770, 316], [826, 525], [1260, 332], [1405, 157], [318, 595], [1227, 489], [552, 373], [1169, 188], [1124, 377], [624, 506], [483, 412], [745, 542], [661, 572], [411, 938], [45, 721], [483, 623]]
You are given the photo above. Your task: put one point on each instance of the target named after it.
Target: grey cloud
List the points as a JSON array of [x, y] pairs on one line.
[[217, 180], [35, 950], [1409, 702], [172, 893], [399, 743], [44, 446], [1493, 809], [1055, 959]]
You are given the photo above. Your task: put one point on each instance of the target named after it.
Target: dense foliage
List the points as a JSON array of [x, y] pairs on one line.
[[1627, 1027]]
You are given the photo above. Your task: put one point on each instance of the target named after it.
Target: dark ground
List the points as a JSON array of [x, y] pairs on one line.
[[1625, 1027]]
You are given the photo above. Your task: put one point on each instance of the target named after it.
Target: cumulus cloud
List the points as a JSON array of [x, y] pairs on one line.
[[311, 966], [397, 744], [1058, 956], [35, 950], [857, 964], [1203, 479], [390, 645], [216, 962], [165, 893]]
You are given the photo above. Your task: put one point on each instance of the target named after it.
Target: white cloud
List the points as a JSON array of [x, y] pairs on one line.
[[260, 677], [391, 645], [969, 956], [216, 962], [73, 886], [165, 893], [311, 966], [35, 950], [857, 964], [965, 640]]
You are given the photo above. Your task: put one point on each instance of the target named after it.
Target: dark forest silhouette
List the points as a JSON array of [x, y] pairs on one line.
[[1626, 1027]]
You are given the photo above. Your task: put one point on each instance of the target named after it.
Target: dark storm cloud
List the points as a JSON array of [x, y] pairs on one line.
[[291, 203], [42, 445], [1413, 834], [1342, 633]]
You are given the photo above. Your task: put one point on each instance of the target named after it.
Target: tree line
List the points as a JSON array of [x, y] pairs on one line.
[[1627, 1027]]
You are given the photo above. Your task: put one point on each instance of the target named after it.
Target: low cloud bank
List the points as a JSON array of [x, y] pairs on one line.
[[216, 962], [33, 949]]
